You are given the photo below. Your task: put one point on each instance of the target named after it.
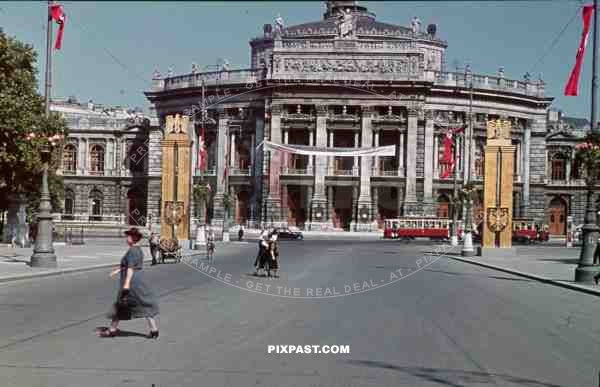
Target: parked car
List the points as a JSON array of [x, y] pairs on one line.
[[287, 233]]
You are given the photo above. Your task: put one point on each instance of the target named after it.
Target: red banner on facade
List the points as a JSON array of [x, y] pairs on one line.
[[202, 150], [572, 87]]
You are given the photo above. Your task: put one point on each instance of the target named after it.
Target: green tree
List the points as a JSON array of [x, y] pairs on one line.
[[24, 127]]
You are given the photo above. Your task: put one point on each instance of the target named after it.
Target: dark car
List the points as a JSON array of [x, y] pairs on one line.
[[286, 233]]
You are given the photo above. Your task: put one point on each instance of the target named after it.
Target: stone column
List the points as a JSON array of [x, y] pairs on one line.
[[80, 156], [284, 204], [376, 171], [319, 199], [286, 139], [518, 163], [274, 195], [84, 155], [309, 193], [428, 204], [356, 145], [332, 158], [375, 212], [410, 193], [257, 167], [365, 201], [401, 155], [436, 156], [218, 209], [232, 151], [525, 161], [355, 220], [311, 142], [568, 168], [330, 203], [252, 145]]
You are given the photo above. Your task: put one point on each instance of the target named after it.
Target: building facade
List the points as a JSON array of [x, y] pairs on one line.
[[346, 81], [104, 167]]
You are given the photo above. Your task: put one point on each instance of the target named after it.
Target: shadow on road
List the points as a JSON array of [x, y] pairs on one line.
[[455, 378]]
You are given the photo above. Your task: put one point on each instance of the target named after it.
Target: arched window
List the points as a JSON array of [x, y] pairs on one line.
[[557, 165], [96, 201], [69, 159], [69, 208], [97, 160]]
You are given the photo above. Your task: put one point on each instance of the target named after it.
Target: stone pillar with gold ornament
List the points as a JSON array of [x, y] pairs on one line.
[[498, 190], [176, 165]]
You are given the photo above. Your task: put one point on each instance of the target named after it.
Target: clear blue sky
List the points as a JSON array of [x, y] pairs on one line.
[[147, 35]]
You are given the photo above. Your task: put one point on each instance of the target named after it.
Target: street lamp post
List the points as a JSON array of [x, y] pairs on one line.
[[201, 222], [454, 232], [468, 250], [43, 252], [585, 270]]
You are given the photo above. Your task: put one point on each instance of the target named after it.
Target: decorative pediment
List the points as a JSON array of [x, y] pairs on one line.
[[563, 134]]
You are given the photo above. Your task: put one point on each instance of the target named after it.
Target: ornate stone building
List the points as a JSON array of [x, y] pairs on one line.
[[104, 165], [346, 81]]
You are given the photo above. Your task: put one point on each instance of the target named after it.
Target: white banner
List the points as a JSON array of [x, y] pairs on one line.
[[388, 150]]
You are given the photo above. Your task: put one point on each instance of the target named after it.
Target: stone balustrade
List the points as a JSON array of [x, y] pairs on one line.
[[455, 79]]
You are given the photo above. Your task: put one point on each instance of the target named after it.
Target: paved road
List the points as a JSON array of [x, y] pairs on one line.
[[441, 323]]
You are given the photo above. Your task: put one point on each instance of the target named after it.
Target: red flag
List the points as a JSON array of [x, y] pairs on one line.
[[448, 158], [202, 151], [57, 14], [572, 87]]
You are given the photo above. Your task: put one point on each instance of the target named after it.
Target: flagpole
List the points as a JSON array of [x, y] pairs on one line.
[[586, 269], [48, 85], [594, 125]]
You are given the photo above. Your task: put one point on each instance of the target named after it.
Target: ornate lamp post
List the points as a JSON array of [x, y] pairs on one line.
[[589, 154], [43, 252], [468, 250]]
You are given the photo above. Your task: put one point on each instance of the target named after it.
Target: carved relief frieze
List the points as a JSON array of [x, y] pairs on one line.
[[405, 65]]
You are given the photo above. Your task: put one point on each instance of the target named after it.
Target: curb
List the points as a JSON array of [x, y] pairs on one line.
[[562, 284], [57, 272]]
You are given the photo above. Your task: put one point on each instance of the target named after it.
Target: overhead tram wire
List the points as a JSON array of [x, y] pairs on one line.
[[556, 39], [113, 57]]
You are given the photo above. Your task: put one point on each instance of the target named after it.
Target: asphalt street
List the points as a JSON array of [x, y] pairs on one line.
[[408, 319]]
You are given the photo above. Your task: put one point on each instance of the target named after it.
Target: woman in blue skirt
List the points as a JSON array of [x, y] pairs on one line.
[[135, 299]]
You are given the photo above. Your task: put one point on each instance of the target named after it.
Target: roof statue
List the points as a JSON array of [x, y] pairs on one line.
[[279, 24], [194, 68], [225, 65], [170, 72], [156, 74], [345, 25], [415, 25]]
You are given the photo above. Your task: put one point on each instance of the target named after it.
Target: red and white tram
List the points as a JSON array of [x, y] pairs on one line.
[[417, 227]]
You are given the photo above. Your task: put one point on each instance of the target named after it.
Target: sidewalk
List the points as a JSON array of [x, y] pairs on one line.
[[551, 264], [106, 253]]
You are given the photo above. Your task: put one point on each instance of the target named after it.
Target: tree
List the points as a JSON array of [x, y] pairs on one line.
[[24, 127]]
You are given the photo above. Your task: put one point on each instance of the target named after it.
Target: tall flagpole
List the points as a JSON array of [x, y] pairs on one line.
[[48, 86]]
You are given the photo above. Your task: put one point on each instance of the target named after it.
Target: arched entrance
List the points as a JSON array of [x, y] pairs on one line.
[[557, 214], [241, 208]]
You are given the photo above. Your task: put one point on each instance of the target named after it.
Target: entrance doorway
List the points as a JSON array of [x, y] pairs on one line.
[[296, 205], [241, 208], [342, 207], [557, 212]]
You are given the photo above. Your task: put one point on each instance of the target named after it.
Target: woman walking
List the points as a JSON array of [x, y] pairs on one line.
[[135, 299], [273, 256]]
